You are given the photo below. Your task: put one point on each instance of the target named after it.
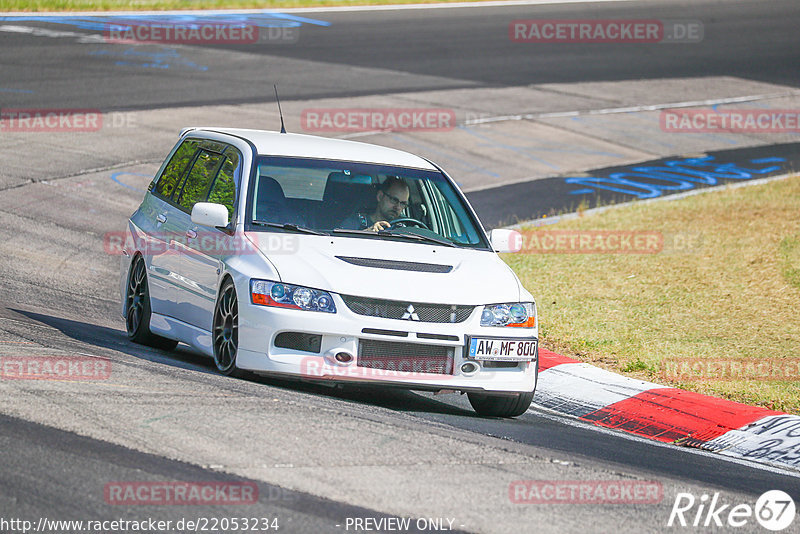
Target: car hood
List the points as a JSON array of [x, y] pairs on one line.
[[382, 268]]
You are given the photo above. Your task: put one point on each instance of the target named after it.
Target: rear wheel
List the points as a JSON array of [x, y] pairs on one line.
[[226, 331], [137, 310]]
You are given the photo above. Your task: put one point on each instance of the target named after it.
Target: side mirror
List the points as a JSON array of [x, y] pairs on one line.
[[505, 240], [209, 214]]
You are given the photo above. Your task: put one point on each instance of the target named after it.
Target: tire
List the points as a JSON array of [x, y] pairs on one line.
[[503, 405], [137, 310], [225, 331], [500, 405]]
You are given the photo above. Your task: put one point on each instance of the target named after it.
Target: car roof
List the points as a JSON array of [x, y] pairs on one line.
[[311, 146]]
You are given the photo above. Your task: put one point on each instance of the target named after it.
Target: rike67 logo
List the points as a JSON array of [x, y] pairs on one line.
[[774, 510]]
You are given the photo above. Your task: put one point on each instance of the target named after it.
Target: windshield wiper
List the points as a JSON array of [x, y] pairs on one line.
[[288, 226], [419, 237], [349, 231]]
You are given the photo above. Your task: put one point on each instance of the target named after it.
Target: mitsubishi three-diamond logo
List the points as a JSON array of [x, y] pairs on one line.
[[410, 314]]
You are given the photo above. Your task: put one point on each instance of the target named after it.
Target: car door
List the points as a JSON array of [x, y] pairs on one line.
[[198, 268], [206, 248], [161, 223]]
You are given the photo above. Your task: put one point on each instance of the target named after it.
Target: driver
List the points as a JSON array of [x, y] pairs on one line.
[[392, 200]]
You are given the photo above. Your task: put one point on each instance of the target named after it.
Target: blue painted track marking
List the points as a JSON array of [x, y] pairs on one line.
[[137, 57], [265, 19], [116, 175], [674, 175]]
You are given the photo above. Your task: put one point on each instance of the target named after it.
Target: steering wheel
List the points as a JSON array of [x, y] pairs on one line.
[[403, 221]]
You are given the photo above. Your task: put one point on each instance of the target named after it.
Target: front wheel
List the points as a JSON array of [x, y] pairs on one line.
[[505, 405], [226, 331], [500, 405]]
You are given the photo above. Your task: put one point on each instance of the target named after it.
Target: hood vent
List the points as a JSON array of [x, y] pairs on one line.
[[398, 265]]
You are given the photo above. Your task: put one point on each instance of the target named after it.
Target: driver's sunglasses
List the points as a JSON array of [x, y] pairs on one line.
[[401, 203]]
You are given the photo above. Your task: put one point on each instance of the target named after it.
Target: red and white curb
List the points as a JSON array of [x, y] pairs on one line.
[[667, 414]]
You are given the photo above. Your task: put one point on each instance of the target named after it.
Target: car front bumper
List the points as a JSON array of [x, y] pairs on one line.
[[403, 353]]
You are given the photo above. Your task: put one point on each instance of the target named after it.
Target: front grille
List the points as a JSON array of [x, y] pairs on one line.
[[299, 341], [407, 357], [398, 265], [395, 309]]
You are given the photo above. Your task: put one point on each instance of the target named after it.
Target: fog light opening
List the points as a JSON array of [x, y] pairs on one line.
[[469, 368], [343, 357]]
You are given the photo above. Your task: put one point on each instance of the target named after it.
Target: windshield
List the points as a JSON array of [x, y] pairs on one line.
[[359, 200]]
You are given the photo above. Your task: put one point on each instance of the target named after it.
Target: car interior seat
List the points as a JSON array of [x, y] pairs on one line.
[[346, 194], [271, 203]]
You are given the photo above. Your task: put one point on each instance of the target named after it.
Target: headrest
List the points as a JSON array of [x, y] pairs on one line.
[[340, 185], [269, 190]]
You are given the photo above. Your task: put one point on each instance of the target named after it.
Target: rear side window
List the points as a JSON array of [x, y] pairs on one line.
[[197, 183], [224, 189], [176, 169]]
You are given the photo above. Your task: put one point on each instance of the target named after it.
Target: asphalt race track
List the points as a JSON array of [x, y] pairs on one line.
[[321, 457], [441, 49]]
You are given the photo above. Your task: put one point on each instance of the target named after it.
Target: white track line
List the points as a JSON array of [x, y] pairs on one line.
[[324, 9], [55, 34], [632, 109], [602, 111]]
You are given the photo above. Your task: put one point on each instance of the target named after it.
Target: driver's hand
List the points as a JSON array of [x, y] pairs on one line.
[[378, 226]]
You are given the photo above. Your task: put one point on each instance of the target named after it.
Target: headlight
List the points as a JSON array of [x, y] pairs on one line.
[[519, 314], [266, 293]]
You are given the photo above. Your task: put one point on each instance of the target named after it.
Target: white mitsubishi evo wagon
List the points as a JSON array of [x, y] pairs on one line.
[[324, 259]]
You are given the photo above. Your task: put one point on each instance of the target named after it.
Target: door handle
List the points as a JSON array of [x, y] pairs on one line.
[[161, 218], [191, 234]]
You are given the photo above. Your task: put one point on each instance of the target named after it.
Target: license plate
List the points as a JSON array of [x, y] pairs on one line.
[[514, 350]]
